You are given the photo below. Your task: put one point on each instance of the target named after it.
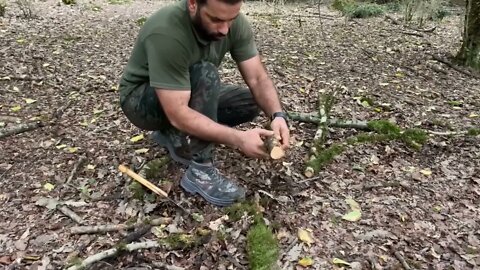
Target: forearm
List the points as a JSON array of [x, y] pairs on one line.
[[266, 95], [200, 126]]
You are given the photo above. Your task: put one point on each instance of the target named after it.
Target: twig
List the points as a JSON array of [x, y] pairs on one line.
[[75, 168], [166, 266], [412, 34], [20, 128], [385, 185], [21, 78], [113, 252], [69, 213], [116, 227], [402, 260], [394, 21]]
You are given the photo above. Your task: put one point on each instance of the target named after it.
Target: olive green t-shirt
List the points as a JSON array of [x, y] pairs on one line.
[[168, 45]]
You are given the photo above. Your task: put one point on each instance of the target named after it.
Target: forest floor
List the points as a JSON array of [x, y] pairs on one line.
[[419, 208]]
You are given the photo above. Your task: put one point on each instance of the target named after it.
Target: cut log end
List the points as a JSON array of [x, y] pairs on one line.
[[274, 148], [309, 172], [277, 152]]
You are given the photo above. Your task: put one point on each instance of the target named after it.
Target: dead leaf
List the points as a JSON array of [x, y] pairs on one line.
[[305, 236], [137, 138], [340, 261], [307, 261]]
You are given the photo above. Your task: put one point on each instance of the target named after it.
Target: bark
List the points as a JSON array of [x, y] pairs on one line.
[[469, 53], [20, 128], [274, 148]]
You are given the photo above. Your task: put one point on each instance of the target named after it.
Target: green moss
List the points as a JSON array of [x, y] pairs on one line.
[[179, 241], [137, 190], [384, 127], [262, 247], [154, 168], [325, 156], [121, 247], [141, 21], [414, 137], [237, 210], [342, 5], [474, 132]]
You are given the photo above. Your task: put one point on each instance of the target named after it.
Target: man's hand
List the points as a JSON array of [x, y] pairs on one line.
[[251, 142], [281, 132]]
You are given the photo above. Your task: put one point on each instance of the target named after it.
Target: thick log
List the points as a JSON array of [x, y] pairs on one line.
[[274, 148]]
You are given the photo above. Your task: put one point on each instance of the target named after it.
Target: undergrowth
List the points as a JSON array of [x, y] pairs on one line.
[[353, 9]]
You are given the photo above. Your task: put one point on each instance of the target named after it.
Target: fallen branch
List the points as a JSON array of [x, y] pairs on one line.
[[402, 260], [455, 67], [20, 128], [52, 204], [21, 78], [116, 227], [113, 252], [412, 34]]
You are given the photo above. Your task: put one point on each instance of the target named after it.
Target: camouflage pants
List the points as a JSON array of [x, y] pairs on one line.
[[226, 104]]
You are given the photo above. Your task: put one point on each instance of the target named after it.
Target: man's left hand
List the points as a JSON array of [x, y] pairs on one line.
[[281, 132]]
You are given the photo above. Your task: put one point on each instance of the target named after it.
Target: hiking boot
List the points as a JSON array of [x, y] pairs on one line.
[[176, 144], [207, 181]]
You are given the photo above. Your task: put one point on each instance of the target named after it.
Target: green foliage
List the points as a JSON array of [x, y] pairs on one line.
[[364, 10], [69, 2], [141, 21], [353, 9], [3, 7], [237, 210], [137, 190], [474, 132], [420, 11], [262, 247], [384, 127], [326, 156], [414, 138], [180, 240]]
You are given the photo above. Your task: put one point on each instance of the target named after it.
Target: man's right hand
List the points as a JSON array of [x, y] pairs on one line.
[[251, 142]]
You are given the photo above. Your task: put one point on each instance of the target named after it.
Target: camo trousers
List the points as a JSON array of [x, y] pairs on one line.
[[230, 105]]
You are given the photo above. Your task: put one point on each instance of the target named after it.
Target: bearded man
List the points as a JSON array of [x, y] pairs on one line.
[[171, 86]]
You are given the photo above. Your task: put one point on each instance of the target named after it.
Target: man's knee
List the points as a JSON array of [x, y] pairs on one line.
[[204, 75]]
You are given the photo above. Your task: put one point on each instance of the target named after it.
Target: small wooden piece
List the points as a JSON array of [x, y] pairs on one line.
[[274, 148], [142, 181]]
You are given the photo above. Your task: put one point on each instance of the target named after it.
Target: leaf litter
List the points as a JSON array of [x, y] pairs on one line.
[[70, 59]]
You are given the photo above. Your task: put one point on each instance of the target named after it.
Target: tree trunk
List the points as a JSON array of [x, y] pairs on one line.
[[470, 52]]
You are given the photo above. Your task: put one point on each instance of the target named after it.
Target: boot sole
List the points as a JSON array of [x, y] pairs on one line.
[[158, 138], [192, 188]]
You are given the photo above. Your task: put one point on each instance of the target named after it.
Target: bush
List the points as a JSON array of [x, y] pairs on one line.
[[69, 2], [354, 9], [364, 10], [3, 7]]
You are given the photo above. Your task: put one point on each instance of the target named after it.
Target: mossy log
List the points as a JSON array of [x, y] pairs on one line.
[[20, 128], [332, 122]]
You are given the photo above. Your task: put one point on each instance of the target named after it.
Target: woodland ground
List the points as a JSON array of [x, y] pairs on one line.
[[70, 58]]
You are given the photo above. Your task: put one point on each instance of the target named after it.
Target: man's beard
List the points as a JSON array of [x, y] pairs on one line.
[[202, 31]]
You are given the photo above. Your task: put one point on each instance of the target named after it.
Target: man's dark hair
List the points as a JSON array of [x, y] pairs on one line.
[[231, 2]]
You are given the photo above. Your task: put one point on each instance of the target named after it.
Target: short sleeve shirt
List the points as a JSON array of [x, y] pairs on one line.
[[167, 45]]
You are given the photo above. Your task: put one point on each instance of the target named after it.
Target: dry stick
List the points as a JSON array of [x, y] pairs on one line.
[[69, 213], [75, 168], [402, 260], [20, 128], [115, 227], [113, 252]]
